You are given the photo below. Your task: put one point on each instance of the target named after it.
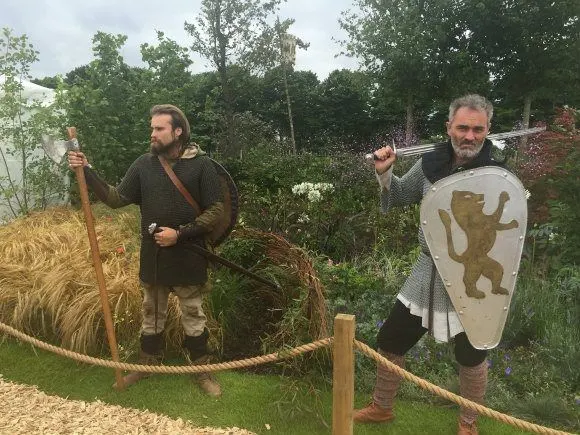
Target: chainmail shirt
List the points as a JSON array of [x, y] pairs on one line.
[[147, 185]]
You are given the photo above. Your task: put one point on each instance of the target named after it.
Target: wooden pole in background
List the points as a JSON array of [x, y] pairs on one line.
[[343, 375], [96, 256]]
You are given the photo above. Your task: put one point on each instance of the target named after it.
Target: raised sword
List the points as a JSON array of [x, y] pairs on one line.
[[422, 149]]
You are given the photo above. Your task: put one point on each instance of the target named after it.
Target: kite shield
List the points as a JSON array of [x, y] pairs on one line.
[[474, 223]]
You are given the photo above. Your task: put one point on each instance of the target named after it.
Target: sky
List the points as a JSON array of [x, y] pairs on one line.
[[62, 30]]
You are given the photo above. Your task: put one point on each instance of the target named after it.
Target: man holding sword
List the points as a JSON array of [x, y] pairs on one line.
[[423, 304]]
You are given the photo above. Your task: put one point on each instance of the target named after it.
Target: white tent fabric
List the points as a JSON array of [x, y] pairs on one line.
[[31, 92]]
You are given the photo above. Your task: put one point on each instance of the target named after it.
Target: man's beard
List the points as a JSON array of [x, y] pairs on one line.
[[466, 153], [165, 149]]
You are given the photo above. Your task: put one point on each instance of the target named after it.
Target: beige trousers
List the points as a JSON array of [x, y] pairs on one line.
[[190, 299]]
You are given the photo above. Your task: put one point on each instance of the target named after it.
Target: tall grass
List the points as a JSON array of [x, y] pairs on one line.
[[533, 373], [48, 286], [545, 315]]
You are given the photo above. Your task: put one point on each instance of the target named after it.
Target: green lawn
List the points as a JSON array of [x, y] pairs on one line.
[[249, 401]]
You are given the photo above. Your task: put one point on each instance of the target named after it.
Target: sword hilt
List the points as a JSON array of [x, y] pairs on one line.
[[153, 228], [370, 157]]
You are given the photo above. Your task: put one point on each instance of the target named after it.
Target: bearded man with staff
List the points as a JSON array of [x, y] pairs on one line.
[[170, 258]]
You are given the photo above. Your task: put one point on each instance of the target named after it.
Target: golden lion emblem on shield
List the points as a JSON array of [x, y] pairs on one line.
[[481, 231]]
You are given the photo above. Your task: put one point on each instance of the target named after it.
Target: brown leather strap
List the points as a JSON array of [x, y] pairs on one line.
[[179, 184]]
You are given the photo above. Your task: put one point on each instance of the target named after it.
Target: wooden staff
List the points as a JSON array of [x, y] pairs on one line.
[[120, 385]]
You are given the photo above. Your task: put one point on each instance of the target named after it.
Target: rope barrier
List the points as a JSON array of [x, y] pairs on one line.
[[521, 424], [273, 357]]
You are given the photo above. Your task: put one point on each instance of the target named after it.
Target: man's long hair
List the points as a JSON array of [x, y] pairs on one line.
[[178, 120]]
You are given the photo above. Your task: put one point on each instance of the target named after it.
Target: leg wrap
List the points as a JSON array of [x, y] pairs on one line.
[[472, 385], [387, 382], [196, 346], [152, 344]]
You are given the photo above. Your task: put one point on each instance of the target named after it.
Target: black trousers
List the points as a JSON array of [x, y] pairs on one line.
[[402, 330]]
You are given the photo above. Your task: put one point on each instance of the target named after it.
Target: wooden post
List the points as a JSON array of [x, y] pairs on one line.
[[343, 375], [96, 257]]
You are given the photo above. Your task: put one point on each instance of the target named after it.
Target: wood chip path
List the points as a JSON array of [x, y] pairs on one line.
[[26, 410]]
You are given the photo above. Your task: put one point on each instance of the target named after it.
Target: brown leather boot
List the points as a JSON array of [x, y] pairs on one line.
[[386, 386], [372, 413], [134, 377], [206, 381], [466, 428], [198, 355]]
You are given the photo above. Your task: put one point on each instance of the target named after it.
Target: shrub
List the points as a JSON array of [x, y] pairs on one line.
[[342, 222], [256, 318]]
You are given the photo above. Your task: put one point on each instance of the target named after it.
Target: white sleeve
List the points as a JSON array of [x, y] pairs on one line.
[[385, 178]]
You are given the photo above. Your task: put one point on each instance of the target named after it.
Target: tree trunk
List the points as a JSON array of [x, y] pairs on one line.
[[230, 146], [292, 141], [409, 126], [525, 122]]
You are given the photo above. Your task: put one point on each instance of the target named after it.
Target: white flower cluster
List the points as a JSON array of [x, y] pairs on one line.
[[312, 190], [527, 193], [303, 218]]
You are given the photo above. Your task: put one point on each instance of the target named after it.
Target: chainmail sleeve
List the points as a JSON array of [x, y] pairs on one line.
[[405, 190], [105, 192]]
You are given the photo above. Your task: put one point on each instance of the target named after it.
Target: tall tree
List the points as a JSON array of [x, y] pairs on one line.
[[407, 45], [303, 88], [531, 46], [277, 48], [169, 80], [28, 179], [226, 32], [345, 97], [106, 103]]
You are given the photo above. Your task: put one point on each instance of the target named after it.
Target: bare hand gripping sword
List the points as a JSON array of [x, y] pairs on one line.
[[422, 149]]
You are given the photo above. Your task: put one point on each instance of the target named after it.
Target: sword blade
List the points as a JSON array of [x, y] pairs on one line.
[[422, 149]]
